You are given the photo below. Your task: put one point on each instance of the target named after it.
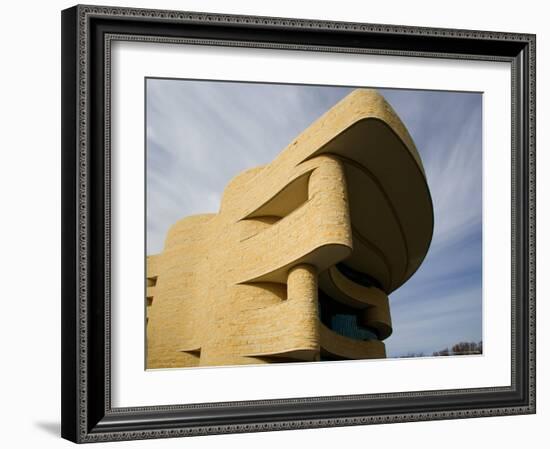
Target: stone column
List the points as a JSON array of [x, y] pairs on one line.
[[327, 190], [302, 292]]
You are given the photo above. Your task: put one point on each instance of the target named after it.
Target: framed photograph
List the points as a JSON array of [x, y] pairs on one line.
[[276, 224]]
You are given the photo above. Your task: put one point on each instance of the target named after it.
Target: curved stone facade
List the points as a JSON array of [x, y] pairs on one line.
[[299, 261]]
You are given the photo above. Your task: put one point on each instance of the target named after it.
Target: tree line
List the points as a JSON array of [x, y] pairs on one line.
[[461, 348]]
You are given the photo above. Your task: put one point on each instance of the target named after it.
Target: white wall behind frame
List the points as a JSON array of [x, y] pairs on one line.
[[29, 179]]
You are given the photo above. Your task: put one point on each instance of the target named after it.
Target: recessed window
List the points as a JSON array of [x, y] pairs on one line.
[[343, 319]]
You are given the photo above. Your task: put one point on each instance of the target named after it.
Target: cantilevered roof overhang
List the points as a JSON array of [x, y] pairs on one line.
[[389, 199], [390, 206]]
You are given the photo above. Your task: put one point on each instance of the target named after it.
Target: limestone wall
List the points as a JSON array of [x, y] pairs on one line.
[[240, 286]]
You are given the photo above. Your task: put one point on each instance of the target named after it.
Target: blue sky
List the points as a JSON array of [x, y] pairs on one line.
[[200, 134]]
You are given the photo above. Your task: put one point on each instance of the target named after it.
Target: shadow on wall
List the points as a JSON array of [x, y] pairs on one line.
[[53, 428]]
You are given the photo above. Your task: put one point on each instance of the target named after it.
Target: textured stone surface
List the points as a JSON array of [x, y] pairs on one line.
[[241, 286]]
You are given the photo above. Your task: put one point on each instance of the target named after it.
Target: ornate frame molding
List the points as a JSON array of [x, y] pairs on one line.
[[88, 32]]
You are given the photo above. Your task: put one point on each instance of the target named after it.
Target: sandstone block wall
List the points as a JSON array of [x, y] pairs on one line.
[[241, 286]]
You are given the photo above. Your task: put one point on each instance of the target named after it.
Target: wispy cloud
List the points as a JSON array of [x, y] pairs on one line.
[[201, 134], [441, 304]]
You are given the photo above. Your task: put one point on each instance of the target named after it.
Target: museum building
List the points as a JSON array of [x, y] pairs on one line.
[[298, 263]]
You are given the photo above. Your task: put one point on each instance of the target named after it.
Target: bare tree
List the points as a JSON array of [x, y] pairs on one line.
[[462, 348]]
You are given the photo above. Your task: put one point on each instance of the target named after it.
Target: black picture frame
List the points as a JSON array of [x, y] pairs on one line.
[[87, 415]]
